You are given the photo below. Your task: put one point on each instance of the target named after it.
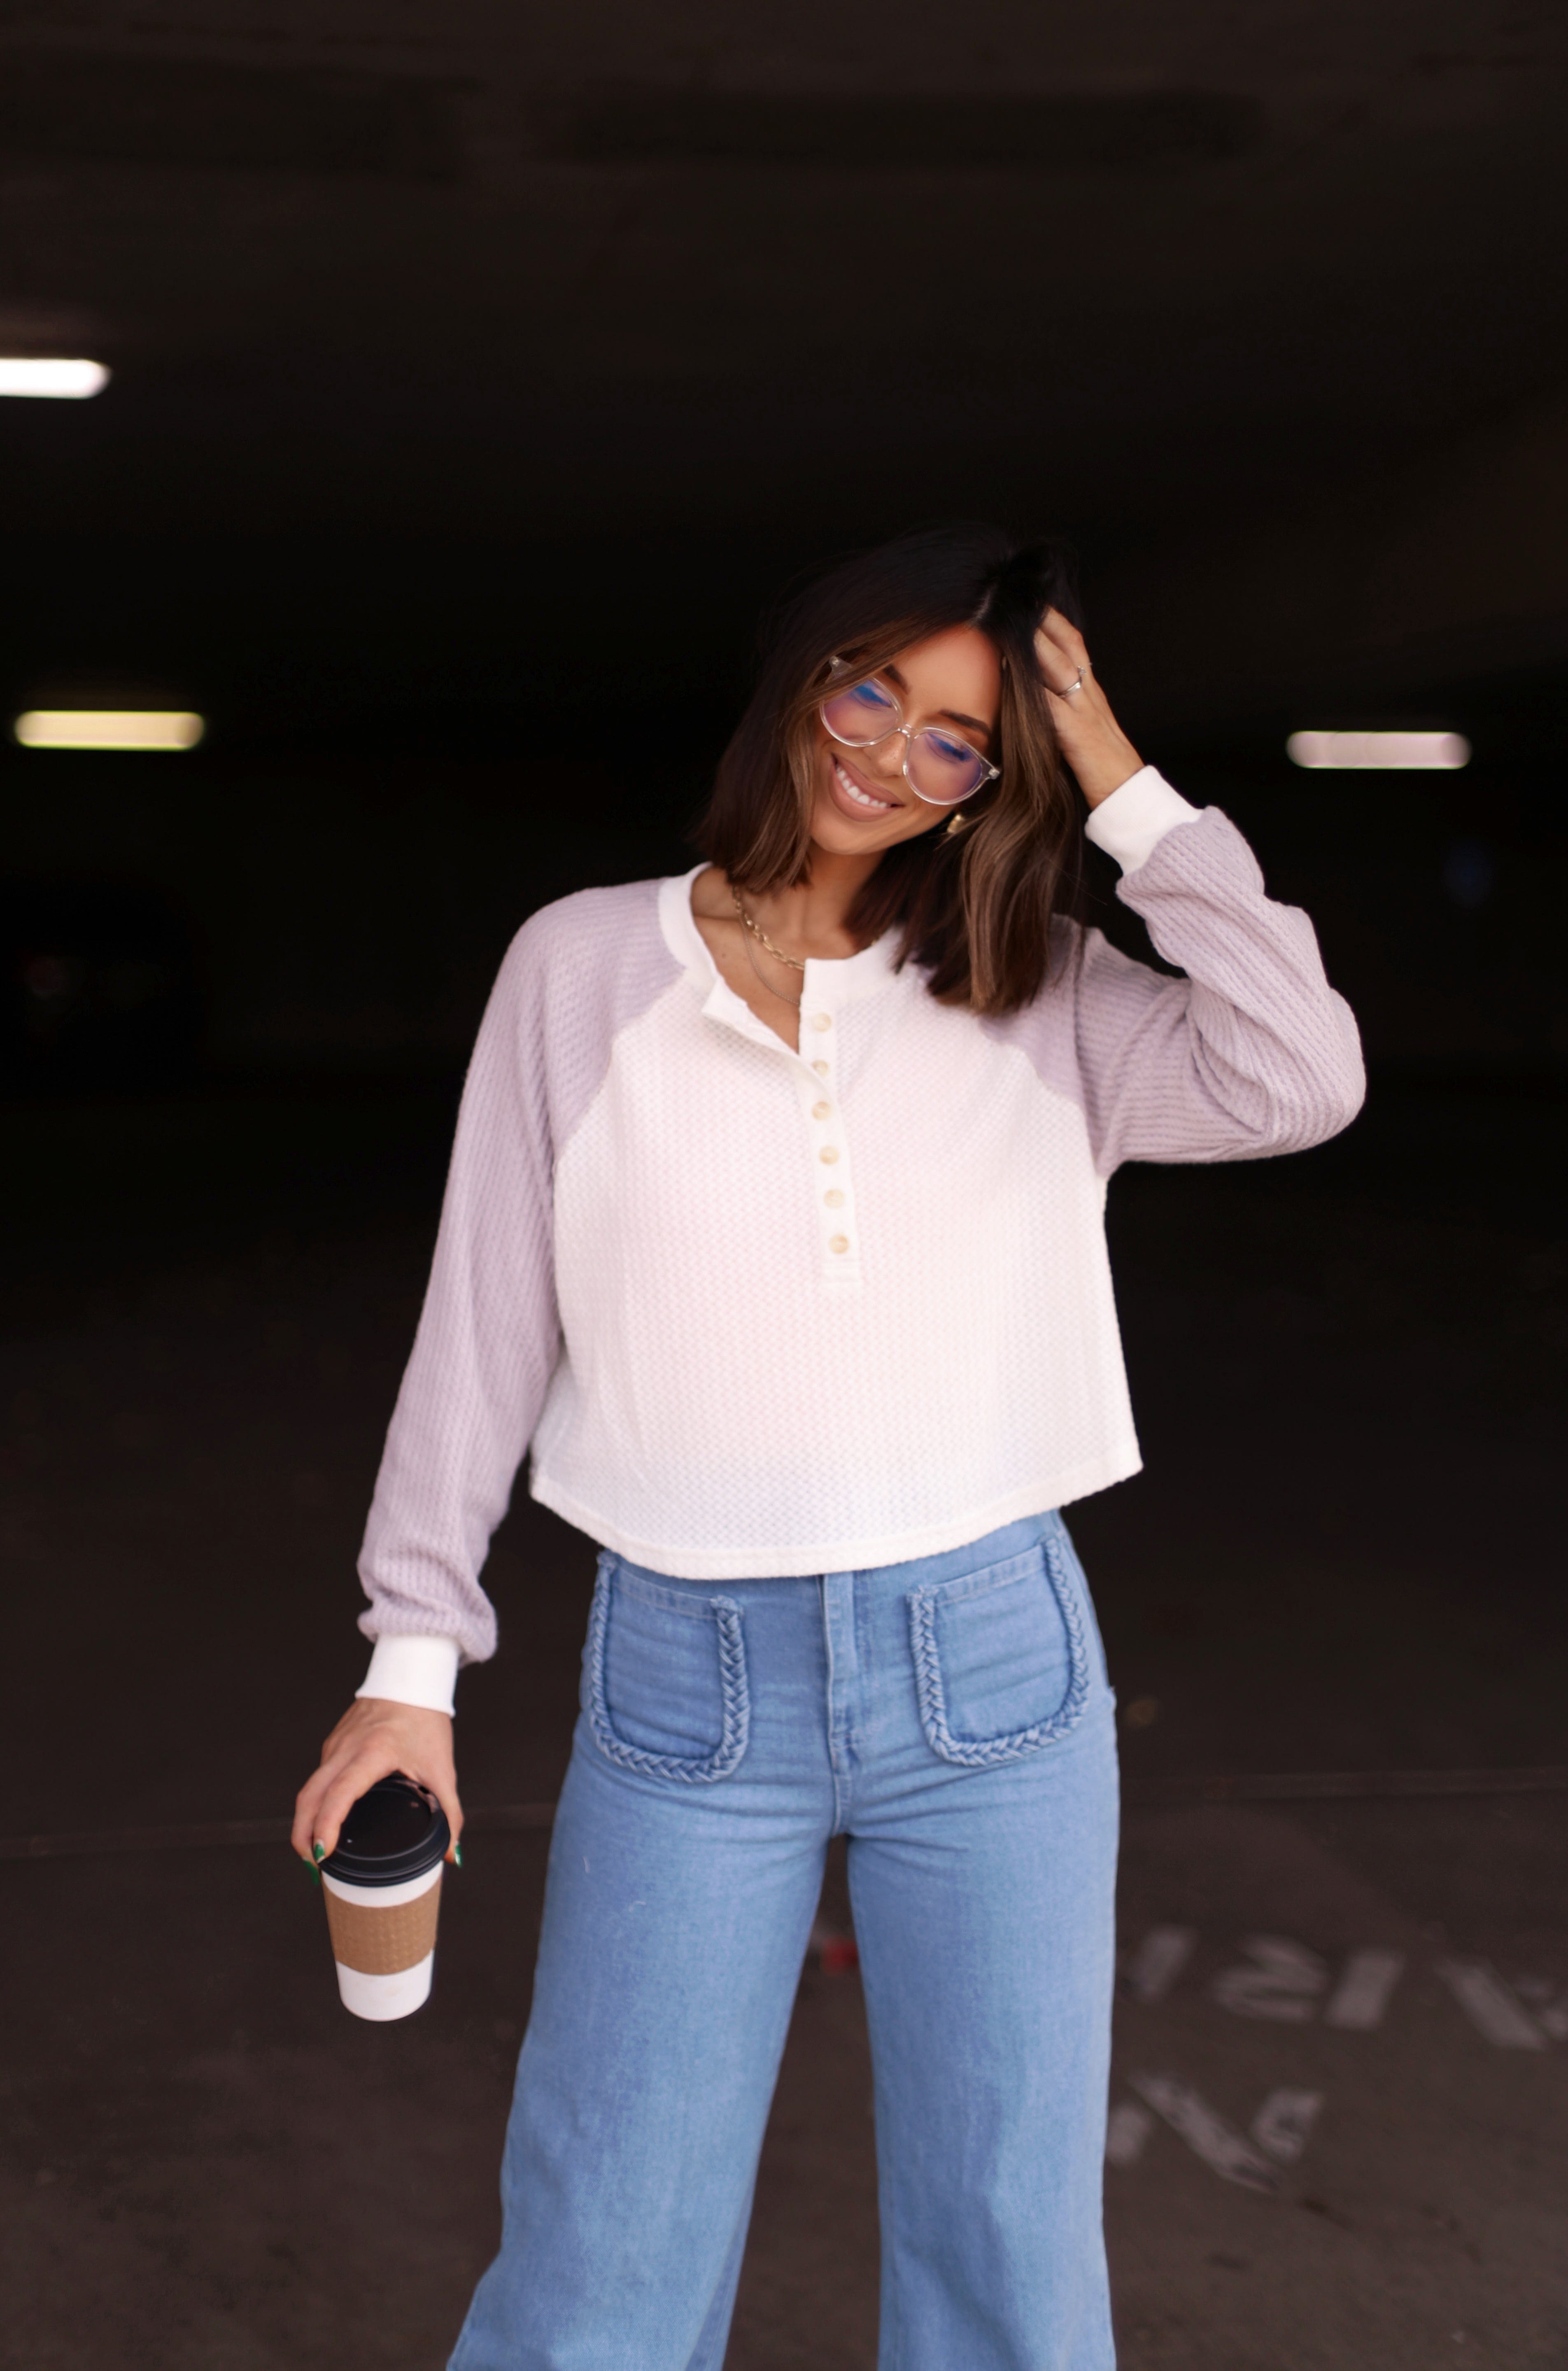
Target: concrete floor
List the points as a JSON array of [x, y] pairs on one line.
[[1345, 1558]]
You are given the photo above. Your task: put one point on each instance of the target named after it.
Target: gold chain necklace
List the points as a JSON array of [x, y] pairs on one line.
[[767, 985], [778, 953]]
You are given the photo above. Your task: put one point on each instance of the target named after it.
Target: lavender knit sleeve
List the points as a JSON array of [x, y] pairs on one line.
[[488, 1334], [1252, 1053]]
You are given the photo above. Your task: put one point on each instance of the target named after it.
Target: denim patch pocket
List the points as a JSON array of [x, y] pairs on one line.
[[666, 1673], [1001, 1658]]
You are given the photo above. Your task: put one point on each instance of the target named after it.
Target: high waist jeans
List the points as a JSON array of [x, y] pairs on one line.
[[951, 1717]]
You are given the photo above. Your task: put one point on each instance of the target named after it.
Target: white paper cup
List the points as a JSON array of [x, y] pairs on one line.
[[383, 1942]]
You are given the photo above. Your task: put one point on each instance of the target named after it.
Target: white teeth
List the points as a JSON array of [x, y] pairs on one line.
[[860, 797]]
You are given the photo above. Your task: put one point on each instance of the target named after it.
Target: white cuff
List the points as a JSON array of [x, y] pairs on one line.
[[413, 1670], [1132, 821]]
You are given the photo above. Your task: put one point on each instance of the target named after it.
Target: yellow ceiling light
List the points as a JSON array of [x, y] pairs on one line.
[[109, 728]]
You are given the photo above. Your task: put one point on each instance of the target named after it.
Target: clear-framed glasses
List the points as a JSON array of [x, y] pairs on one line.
[[938, 766]]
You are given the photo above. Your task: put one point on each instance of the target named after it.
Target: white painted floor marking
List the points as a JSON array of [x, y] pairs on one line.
[[1158, 1961], [1222, 2149], [1362, 1994], [1283, 2126], [1283, 1983], [1490, 2005], [1126, 2130]]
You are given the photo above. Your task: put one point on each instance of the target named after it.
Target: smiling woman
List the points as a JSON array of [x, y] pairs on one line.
[[939, 629], [774, 1234]]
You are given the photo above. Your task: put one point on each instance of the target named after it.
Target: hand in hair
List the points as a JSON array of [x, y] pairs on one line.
[[1093, 743]]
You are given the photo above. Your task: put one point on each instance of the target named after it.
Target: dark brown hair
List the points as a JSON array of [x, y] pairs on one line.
[[976, 907]]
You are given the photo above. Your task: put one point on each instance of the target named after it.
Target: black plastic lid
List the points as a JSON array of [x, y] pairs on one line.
[[394, 1831]]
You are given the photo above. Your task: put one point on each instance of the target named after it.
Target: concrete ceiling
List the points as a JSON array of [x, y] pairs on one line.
[[795, 273]]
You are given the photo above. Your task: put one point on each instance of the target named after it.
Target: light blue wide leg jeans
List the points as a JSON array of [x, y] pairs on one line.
[[951, 1717]]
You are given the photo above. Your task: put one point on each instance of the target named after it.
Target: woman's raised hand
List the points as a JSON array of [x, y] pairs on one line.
[[375, 1738], [1093, 743]]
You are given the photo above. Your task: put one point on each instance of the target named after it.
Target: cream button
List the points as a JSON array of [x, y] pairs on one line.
[[828, 1153], [822, 1021], [834, 1198], [820, 1068], [839, 1244], [822, 1111]]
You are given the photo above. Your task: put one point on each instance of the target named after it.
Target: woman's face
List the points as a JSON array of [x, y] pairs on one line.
[[863, 803]]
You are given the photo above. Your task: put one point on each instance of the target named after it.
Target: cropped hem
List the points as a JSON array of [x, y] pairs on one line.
[[1050, 1490]]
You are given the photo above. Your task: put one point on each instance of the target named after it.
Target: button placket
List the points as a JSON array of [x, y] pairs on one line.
[[832, 1185]]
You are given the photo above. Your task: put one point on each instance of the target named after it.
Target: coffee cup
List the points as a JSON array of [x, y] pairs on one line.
[[382, 1884]]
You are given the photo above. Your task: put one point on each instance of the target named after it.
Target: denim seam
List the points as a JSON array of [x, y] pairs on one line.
[[842, 1775], [734, 1695], [983, 1753], [965, 1587], [693, 1602]]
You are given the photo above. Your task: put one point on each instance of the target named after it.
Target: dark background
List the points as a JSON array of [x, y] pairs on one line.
[[479, 378], [479, 374]]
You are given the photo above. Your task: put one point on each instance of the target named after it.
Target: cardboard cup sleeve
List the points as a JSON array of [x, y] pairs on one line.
[[383, 1942]]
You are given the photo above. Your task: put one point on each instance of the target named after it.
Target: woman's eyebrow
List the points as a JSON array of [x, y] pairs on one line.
[[953, 715]]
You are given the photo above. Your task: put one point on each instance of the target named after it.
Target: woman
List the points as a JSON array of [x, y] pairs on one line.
[[774, 1228]]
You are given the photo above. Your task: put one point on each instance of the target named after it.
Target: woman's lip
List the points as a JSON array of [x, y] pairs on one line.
[[845, 805]]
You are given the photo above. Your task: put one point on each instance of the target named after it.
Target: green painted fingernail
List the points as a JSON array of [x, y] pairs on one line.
[[457, 1856], [314, 1874], [318, 1849]]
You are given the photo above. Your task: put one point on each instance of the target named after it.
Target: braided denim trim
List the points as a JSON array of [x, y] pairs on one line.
[[983, 1753], [734, 1697]]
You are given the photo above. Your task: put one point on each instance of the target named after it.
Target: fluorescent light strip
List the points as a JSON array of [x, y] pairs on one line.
[[36, 374], [1380, 750], [109, 728]]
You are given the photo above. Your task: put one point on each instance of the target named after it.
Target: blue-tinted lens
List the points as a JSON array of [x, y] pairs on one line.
[[945, 769], [860, 715]]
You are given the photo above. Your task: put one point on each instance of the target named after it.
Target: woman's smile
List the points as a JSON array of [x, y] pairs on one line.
[[852, 798]]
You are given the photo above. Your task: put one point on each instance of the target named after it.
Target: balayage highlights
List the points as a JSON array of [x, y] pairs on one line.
[[974, 908]]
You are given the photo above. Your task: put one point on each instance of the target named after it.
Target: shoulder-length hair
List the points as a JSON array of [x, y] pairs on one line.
[[976, 907]]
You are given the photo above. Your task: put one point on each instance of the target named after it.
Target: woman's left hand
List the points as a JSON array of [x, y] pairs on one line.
[[1093, 743]]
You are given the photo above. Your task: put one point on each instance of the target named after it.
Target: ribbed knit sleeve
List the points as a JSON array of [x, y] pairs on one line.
[[489, 1334], [488, 1340], [1252, 1053]]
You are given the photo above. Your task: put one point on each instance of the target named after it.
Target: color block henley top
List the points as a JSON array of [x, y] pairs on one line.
[[757, 1312]]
